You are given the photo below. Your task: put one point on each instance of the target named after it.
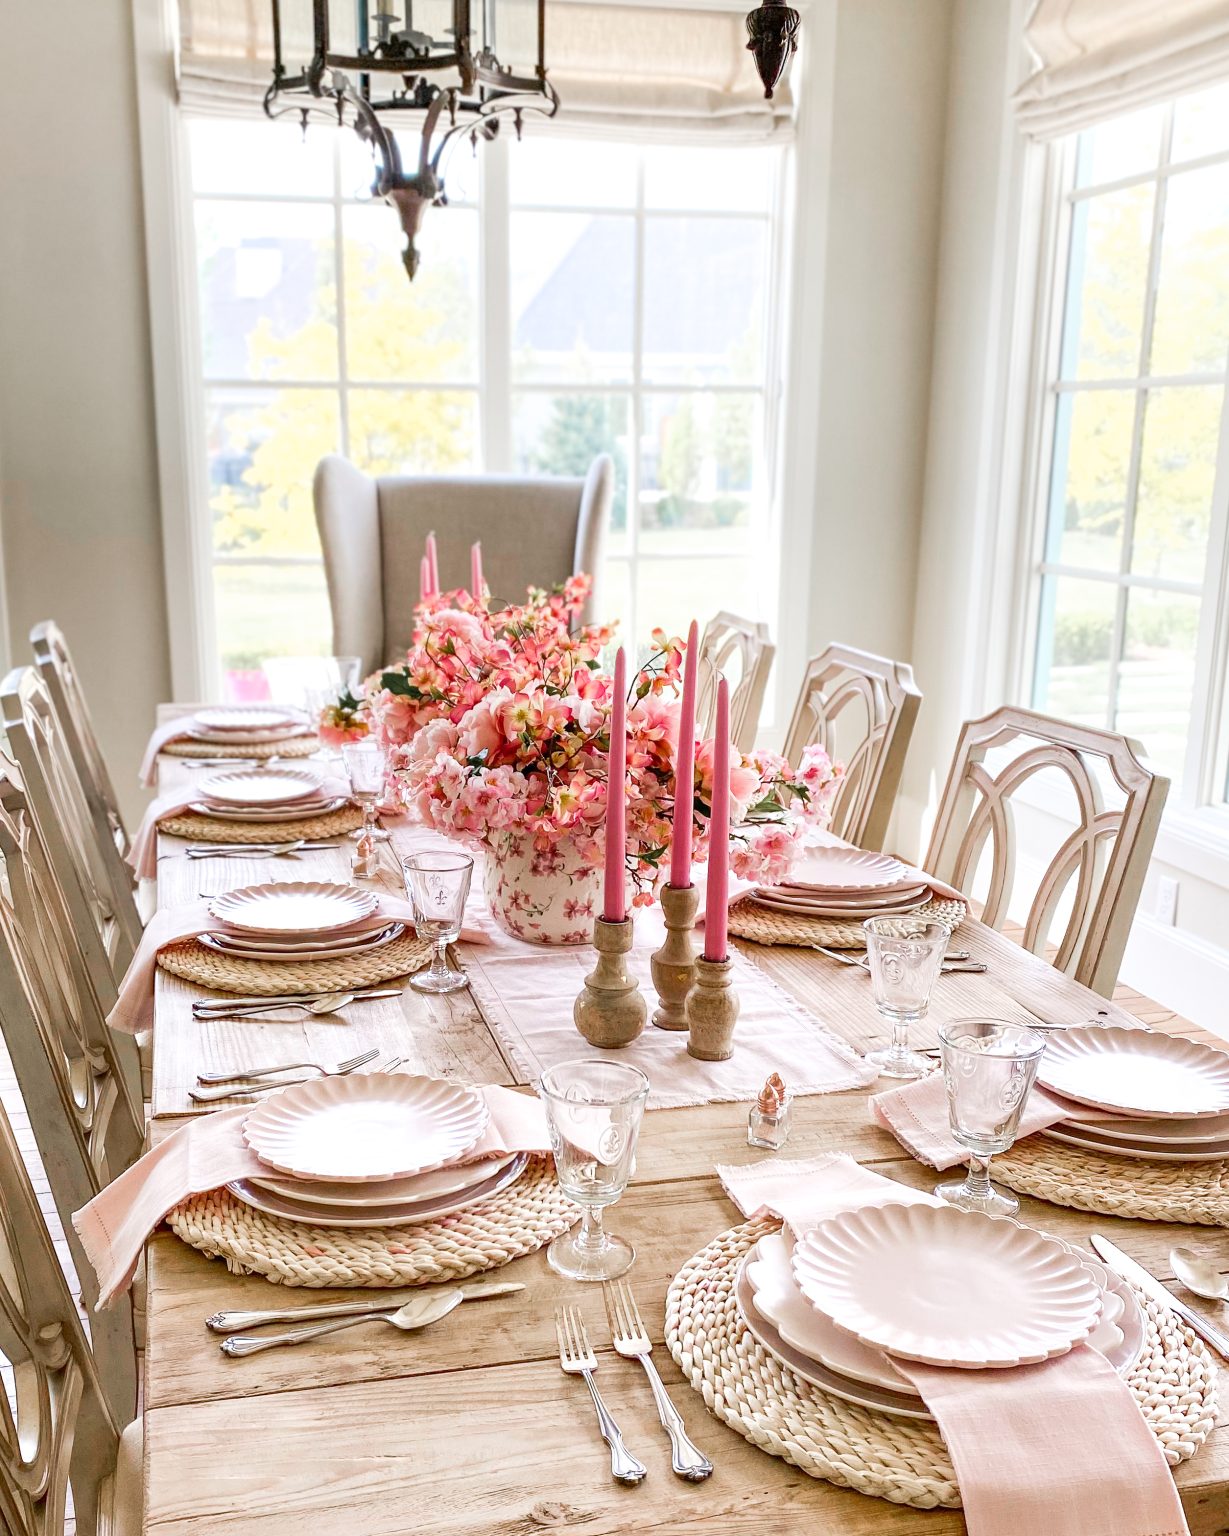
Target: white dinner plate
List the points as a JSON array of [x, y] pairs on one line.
[[946, 1287], [309, 908], [248, 738], [253, 815], [1157, 1133], [846, 899], [261, 786], [1173, 1152], [412, 1191], [1137, 1072], [247, 717], [375, 1127], [224, 944], [897, 906], [391, 1215], [844, 869]]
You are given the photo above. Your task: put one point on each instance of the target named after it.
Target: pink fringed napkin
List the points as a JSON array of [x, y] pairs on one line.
[[209, 1151], [1055, 1449]]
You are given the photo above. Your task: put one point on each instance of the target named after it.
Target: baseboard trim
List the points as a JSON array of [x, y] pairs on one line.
[[1179, 971]]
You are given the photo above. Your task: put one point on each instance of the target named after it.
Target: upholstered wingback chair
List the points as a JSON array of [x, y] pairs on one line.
[[534, 532]]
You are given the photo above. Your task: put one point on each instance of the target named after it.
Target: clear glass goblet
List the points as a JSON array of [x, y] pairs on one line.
[[594, 1110], [437, 883], [366, 769], [989, 1067], [905, 955]]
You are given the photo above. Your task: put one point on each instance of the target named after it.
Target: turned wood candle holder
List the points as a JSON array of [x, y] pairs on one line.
[[674, 964], [712, 1011], [610, 1012]]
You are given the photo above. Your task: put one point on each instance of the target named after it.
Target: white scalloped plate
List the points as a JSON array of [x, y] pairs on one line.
[[938, 1285], [1155, 1133], [412, 1191], [1137, 1072], [309, 908], [1173, 1152], [246, 717], [370, 1128], [847, 869], [391, 1215], [295, 810], [261, 787], [360, 944], [893, 906]]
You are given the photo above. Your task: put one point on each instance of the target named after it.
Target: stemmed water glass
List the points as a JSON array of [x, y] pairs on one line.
[[594, 1110], [989, 1068], [437, 883], [365, 768], [905, 955]]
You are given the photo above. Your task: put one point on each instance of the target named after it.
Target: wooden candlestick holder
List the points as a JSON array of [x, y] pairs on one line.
[[674, 964], [712, 1011], [610, 1012]]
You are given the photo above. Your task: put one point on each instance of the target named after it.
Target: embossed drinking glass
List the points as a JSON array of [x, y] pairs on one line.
[[366, 769], [904, 954], [437, 883], [593, 1110], [989, 1067]]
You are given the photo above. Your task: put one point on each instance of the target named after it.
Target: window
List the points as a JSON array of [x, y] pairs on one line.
[[574, 298], [1127, 585]]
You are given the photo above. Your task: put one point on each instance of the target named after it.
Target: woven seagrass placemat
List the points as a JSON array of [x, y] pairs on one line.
[[292, 746], [269, 978], [1194, 1193], [903, 1460], [486, 1235], [209, 829], [765, 925]]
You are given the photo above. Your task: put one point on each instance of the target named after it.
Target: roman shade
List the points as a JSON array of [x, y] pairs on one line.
[[1099, 58], [619, 68]]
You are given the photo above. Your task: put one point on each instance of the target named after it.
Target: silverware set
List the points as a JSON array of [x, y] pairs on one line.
[[953, 960], [1135, 1274], [308, 1002], [255, 850], [410, 1313], [248, 1080], [630, 1338]]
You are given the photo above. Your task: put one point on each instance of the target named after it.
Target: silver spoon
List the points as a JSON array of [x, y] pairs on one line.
[[1198, 1275], [417, 1313], [321, 1005]]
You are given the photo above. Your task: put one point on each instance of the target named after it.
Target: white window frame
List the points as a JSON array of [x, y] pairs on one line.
[[1194, 835]]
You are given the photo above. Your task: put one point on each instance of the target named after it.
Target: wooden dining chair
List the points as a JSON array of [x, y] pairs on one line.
[[1089, 888], [55, 666], [741, 650], [98, 885], [60, 1430], [861, 709]]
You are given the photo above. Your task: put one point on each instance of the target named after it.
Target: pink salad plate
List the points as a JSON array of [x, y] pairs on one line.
[[308, 908], [253, 738], [319, 805], [946, 1287], [370, 1128], [838, 868], [890, 906], [1159, 1133], [1137, 1072], [1166, 1152], [339, 949], [247, 717], [783, 1323], [419, 1187], [392, 1214], [261, 787]]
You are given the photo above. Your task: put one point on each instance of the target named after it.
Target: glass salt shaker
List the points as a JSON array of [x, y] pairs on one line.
[[768, 1122]]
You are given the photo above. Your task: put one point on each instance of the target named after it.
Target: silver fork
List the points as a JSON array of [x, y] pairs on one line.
[[249, 1086], [287, 1066], [576, 1358], [631, 1340]]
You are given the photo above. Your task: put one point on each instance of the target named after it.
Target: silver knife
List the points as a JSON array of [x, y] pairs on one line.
[[219, 1005], [235, 1322], [1123, 1264]]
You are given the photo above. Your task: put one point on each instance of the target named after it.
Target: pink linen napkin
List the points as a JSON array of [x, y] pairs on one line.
[[916, 1114], [134, 1007], [143, 854], [1058, 1448], [209, 1152]]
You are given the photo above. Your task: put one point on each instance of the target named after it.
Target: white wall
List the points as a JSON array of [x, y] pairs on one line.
[[79, 514]]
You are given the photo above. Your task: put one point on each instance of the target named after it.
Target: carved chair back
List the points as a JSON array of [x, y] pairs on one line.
[[741, 650]]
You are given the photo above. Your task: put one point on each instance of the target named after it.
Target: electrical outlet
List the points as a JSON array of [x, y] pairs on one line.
[[1167, 900]]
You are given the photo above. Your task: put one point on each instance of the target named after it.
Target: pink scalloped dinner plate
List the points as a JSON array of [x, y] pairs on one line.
[[1136, 1072], [261, 787], [309, 908]]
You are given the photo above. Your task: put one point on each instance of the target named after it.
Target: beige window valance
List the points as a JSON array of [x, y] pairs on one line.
[[618, 68], [1098, 58]]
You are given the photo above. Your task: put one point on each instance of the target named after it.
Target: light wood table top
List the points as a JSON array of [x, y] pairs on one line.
[[469, 1428]]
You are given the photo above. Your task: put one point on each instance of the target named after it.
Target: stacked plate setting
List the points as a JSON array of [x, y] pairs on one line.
[[1162, 1098], [257, 795], [298, 921], [839, 882], [381, 1150], [245, 725], [898, 1282]]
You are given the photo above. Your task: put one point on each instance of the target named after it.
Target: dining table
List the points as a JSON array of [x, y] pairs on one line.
[[468, 1427]]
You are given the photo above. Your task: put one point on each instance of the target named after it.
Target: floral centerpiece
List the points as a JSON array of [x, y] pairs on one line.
[[343, 721], [497, 726]]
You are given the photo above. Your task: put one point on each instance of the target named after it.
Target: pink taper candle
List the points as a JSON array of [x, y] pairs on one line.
[[424, 579], [614, 897], [433, 565], [475, 570], [717, 894], [685, 769]]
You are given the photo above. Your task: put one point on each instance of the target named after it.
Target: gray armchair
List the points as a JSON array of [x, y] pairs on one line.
[[533, 532]]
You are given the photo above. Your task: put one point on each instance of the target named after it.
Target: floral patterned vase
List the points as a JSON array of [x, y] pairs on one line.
[[547, 896]]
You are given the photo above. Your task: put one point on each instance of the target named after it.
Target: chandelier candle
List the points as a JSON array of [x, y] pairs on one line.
[[614, 898], [424, 579], [433, 565], [475, 570], [685, 770], [674, 964], [712, 1004]]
